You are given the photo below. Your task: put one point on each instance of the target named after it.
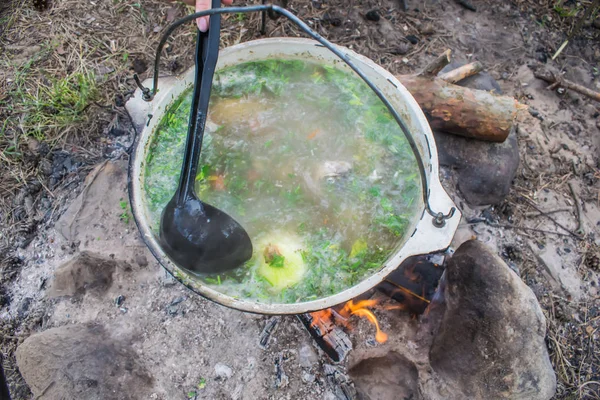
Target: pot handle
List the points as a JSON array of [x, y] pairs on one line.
[[439, 218]]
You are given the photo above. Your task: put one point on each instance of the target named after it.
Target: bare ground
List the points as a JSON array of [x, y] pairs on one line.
[[109, 40]]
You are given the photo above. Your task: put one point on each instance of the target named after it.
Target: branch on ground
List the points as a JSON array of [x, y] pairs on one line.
[[558, 81]]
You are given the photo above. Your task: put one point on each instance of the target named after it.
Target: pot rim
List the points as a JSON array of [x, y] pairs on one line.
[[425, 239]]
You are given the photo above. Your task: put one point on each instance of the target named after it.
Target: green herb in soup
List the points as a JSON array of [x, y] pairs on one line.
[[310, 162]]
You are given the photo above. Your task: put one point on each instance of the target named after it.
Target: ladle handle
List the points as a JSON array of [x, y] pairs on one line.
[[207, 53]]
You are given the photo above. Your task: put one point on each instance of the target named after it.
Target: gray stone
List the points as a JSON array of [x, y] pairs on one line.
[[389, 377], [308, 378], [484, 171], [222, 371], [82, 362], [94, 219], [307, 357], [86, 272], [481, 338], [490, 343]]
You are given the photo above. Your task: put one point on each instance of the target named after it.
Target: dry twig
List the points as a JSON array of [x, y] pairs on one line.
[[575, 235], [579, 229], [556, 81], [437, 65], [460, 73]]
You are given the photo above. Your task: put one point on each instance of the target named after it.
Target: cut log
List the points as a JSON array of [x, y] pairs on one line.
[[462, 111]]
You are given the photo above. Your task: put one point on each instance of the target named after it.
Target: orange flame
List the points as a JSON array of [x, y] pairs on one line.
[[360, 310], [326, 317], [320, 317]]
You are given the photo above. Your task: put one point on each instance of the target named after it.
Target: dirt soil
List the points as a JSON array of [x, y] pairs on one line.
[[46, 152]]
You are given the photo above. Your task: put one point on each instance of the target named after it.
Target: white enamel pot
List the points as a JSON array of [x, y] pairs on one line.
[[424, 236]]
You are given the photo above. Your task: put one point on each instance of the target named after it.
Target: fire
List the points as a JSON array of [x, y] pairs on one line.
[[359, 309], [324, 318], [320, 317]]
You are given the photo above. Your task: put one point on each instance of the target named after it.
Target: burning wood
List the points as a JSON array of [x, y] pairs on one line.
[[323, 326], [330, 337], [412, 285]]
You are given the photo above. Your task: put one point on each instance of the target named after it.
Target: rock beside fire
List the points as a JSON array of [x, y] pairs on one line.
[[82, 361], [490, 343], [391, 376], [481, 338], [484, 170], [99, 220], [86, 272]]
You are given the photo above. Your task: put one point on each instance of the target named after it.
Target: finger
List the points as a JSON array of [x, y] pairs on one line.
[[202, 22], [227, 2], [189, 2]]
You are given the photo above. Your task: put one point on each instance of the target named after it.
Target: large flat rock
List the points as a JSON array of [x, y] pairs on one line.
[[82, 361]]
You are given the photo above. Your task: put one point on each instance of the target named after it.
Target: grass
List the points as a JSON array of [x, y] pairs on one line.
[[53, 105], [41, 104], [564, 11], [124, 216]]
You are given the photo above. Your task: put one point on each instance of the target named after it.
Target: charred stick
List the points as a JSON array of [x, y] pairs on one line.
[[555, 81], [538, 214], [579, 229], [555, 221], [265, 335], [328, 336], [460, 73], [407, 291], [467, 4]]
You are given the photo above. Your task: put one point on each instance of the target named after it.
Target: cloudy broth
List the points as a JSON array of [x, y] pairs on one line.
[[311, 164]]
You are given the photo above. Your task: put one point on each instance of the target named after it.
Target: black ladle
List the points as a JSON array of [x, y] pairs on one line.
[[196, 235]]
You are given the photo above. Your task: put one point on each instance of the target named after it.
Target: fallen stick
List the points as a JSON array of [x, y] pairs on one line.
[[436, 65], [579, 229], [517, 227], [556, 81], [466, 4], [564, 228], [458, 110], [460, 73], [538, 213]]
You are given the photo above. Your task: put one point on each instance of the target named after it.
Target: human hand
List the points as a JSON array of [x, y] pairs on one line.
[[202, 5]]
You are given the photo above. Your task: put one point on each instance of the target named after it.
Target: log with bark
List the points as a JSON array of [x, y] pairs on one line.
[[459, 110]]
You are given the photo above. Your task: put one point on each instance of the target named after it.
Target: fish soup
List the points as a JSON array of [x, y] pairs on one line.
[[312, 165]]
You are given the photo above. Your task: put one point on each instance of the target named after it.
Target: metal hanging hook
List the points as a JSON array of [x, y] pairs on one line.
[[439, 218]]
